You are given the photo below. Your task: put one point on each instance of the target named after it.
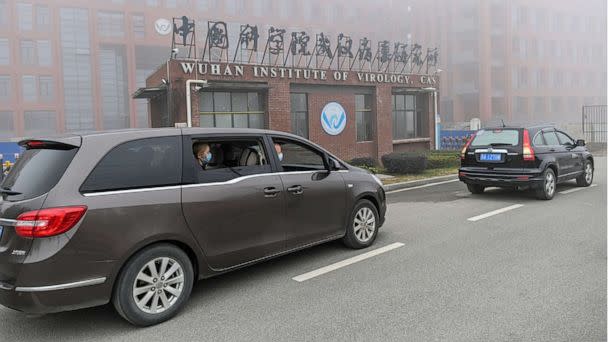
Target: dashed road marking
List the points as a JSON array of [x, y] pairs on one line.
[[494, 212], [346, 262]]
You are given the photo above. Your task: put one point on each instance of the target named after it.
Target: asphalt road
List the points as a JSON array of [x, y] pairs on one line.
[[534, 273]]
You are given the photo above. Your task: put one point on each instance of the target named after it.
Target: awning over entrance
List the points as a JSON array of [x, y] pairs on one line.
[[149, 93]]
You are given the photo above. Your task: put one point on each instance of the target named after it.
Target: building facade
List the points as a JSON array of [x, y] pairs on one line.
[[72, 65]]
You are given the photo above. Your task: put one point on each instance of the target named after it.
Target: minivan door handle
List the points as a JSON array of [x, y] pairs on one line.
[[271, 191], [296, 189]]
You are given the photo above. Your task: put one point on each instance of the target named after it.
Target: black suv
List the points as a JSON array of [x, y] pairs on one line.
[[536, 157]]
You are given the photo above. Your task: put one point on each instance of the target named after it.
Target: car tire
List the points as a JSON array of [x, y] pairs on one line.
[[153, 305], [362, 225], [548, 187], [586, 178], [476, 188]]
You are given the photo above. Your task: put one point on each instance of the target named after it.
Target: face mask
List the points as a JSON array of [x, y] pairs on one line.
[[208, 157], [280, 156]]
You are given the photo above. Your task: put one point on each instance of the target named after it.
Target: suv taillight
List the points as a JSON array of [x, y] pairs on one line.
[[527, 147], [464, 149], [48, 222]]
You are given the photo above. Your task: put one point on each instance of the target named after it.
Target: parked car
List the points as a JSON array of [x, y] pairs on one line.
[[135, 217], [537, 158]]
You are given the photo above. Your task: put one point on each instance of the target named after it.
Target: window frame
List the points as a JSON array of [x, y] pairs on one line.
[[179, 164], [546, 140], [324, 155], [188, 163], [293, 113], [366, 111], [572, 141], [231, 113]]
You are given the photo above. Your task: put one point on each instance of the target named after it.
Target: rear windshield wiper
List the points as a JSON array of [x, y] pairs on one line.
[[9, 192]]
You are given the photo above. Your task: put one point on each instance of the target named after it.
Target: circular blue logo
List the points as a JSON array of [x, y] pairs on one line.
[[333, 118]]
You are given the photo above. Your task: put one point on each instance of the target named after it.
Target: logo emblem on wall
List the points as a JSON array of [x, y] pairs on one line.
[[163, 26], [333, 118]]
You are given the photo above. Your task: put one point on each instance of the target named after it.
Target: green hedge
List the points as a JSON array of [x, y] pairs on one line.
[[364, 162], [443, 159], [405, 162]]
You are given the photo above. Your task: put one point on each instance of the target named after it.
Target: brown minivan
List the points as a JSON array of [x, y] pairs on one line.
[[136, 216]]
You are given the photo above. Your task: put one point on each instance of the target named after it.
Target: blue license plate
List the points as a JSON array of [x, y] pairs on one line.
[[489, 157]]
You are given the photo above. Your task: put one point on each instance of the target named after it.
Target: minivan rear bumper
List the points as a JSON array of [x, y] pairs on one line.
[[531, 178], [55, 297]]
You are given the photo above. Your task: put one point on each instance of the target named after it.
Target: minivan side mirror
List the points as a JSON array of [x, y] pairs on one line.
[[580, 142]]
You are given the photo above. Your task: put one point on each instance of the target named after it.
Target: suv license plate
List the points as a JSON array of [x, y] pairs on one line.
[[489, 157]]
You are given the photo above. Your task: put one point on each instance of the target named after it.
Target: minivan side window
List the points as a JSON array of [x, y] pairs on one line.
[[143, 163], [223, 159], [551, 138], [564, 139], [298, 156]]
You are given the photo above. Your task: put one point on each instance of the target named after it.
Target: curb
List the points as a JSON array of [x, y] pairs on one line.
[[418, 182]]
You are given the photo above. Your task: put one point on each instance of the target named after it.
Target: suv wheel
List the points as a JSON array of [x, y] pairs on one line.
[[547, 190], [587, 177], [153, 285], [363, 225], [475, 188]]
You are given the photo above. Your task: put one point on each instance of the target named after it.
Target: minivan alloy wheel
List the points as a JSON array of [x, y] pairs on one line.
[[158, 285], [364, 224]]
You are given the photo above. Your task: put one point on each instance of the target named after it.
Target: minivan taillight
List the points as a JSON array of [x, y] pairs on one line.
[[527, 147], [48, 222], [464, 149]]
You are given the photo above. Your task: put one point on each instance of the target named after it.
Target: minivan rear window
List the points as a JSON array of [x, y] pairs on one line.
[[36, 172], [496, 137]]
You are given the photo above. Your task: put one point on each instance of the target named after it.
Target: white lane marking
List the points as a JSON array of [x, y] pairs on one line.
[[346, 262], [494, 212], [422, 186], [576, 189]]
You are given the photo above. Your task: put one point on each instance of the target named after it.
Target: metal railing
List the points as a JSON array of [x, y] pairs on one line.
[[595, 123]]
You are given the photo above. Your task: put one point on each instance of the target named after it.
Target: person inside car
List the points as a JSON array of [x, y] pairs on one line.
[[202, 153], [279, 150]]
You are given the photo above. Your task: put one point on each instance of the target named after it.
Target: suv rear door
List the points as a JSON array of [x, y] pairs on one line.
[[24, 189], [498, 149], [554, 150]]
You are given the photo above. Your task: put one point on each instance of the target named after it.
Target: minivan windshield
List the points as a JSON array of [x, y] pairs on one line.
[[36, 172], [496, 137]]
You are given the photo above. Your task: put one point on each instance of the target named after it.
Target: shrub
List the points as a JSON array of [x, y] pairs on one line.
[[443, 159], [405, 162], [367, 162]]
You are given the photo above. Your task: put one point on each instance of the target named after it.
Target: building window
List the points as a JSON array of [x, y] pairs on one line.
[[299, 114], [235, 7], [365, 125], [25, 16], [231, 109], [75, 52], [46, 89], [5, 88], [43, 18], [153, 3], [114, 90], [206, 5], [139, 26], [45, 56], [4, 18], [110, 24], [5, 52], [28, 53], [28, 88], [7, 129], [40, 122], [409, 119]]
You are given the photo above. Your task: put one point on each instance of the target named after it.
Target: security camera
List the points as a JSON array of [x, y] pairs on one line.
[[165, 82], [175, 51], [197, 88]]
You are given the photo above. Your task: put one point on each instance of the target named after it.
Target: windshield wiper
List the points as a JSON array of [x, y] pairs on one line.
[[9, 192]]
